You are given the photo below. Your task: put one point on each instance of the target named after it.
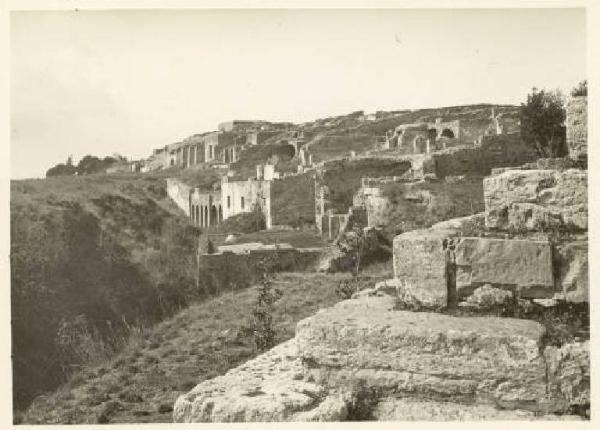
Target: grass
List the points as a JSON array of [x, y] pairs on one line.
[[141, 384]]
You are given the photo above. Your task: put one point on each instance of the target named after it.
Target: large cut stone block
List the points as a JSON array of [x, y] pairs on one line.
[[536, 200], [520, 265], [480, 358], [420, 265]]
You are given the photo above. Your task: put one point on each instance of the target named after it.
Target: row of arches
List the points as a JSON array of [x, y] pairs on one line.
[[205, 216]]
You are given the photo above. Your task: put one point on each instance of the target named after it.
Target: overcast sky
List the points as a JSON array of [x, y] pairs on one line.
[[129, 81]]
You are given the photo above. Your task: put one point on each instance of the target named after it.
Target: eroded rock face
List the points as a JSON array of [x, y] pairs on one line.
[[536, 200], [519, 265]]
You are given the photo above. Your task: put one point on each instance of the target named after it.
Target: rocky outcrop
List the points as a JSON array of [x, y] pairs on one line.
[[363, 356], [536, 200]]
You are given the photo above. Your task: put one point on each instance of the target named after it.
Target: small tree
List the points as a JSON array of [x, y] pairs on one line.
[[261, 325], [352, 244], [542, 119]]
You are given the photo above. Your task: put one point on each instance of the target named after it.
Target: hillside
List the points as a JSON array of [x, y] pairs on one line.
[[92, 258], [352, 134], [141, 383]]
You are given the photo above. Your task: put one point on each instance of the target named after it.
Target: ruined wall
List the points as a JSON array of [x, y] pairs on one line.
[[205, 208], [222, 270], [243, 196], [180, 194], [577, 127], [494, 151]]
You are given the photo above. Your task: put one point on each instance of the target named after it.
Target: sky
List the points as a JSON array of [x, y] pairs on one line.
[[104, 82]]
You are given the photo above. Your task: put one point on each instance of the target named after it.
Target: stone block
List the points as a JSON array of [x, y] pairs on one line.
[[571, 261], [420, 265], [424, 353], [518, 265], [536, 200]]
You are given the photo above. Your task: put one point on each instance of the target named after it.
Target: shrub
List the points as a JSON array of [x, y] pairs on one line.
[[261, 325]]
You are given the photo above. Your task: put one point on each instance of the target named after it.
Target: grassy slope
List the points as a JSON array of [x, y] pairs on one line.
[[142, 383], [98, 246]]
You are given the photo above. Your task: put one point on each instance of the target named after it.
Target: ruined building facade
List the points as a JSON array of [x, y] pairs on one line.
[[426, 137]]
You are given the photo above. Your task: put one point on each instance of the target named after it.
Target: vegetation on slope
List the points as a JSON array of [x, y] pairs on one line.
[[91, 258], [200, 342], [293, 200]]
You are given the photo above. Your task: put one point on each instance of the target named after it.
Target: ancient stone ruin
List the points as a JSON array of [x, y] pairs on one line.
[[422, 346]]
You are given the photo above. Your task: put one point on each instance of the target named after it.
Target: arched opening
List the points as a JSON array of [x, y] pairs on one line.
[[201, 216], [206, 216], [448, 133], [432, 134], [197, 215], [213, 215], [420, 145], [220, 214]]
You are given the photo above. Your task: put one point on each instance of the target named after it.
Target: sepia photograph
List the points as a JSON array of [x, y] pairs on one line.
[[285, 214]]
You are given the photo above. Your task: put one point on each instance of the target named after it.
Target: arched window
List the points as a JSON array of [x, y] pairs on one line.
[[448, 133], [242, 203]]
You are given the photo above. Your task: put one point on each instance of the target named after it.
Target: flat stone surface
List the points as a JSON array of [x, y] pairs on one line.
[[436, 352], [536, 200], [522, 265]]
